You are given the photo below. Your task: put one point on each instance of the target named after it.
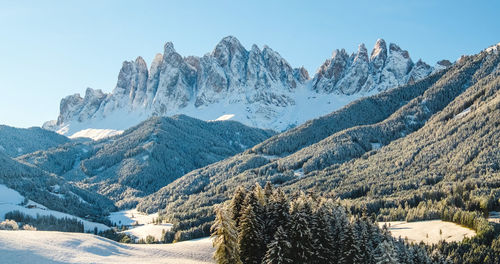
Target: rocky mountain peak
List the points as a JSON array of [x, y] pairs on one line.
[[257, 86]]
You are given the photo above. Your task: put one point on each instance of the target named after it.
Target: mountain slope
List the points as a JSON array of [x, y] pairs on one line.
[[147, 157], [18, 141], [257, 87], [52, 191], [342, 165]]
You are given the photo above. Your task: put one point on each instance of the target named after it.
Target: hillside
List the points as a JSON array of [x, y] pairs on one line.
[[52, 191], [19, 141], [146, 157], [384, 153], [57, 247]]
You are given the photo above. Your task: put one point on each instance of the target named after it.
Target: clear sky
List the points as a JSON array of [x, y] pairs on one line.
[[51, 49]]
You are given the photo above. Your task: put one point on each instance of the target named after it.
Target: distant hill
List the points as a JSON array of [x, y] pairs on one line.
[[146, 157], [19, 141]]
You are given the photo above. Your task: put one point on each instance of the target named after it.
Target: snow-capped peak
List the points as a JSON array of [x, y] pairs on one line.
[[257, 86]]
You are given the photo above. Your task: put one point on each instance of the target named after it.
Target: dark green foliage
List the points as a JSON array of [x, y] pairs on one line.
[[146, 157], [308, 235], [19, 141]]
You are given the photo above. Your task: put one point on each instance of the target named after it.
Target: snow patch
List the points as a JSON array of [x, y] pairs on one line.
[[463, 113], [299, 173], [95, 134], [429, 232], [376, 145], [225, 117]]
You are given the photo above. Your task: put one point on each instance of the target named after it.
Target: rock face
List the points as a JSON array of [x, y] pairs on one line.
[[258, 87], [357, 73]]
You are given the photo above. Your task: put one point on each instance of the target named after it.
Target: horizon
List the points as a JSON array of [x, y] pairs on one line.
[[80, 45]]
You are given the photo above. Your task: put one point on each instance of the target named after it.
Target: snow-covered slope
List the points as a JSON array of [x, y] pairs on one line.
[[11, 200], [139, 225], [43, 247], [96, 134], [256, 87]]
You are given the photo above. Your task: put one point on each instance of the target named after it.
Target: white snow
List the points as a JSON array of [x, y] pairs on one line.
[[428, 231], [43, 247], [140, 225], [10, 200], [306, 104], [128, 217], [143, 231], [462, 114], [494, 217], [224, 117], [9, 196], [299, 173], [95, 134], [376, 145]]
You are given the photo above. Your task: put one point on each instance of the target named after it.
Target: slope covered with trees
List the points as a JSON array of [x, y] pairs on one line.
[[52, 191], [18, 141], [266, 226], [146, 157], [438, 149]]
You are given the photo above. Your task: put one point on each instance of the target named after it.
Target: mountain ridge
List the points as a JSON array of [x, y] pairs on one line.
[[257, 86]]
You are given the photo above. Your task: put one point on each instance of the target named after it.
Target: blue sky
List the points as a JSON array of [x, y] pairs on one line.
[[50, 49]]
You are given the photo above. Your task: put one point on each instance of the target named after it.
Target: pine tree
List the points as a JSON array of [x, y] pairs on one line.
[[385, 253], [279, 250], [299, 232], [250, 239], [225, 237], [321, 230], [236, 205], [348, 246]]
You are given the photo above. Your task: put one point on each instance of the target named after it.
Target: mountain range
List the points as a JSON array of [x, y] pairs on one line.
[[400, 147], [256, 87]]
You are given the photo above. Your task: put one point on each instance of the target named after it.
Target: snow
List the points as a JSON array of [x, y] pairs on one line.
[[305, 104], [270, 157], [43, 247], [299, 173], [428, 231], [10, 200], [140, 225], [95, 134], [148, 230], [9, 196], [224, 117], [376, 145], [128, 217], [494, 217], [462, 114]]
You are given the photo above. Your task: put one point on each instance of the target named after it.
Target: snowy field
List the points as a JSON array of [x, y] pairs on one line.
[[10, 200], [494, 217], [144, 223], [428, 231], [43, 247]]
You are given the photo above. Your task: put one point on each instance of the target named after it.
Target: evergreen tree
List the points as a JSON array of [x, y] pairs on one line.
[[348, 246], [236, 204], [385, 254], [279, 250], [299, 232], [250, 239], [225, 237]]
